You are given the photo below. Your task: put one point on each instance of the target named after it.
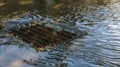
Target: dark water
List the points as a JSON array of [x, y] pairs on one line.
[[100, 48]]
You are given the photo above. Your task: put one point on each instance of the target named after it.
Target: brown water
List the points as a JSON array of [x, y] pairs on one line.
[[101, 47]]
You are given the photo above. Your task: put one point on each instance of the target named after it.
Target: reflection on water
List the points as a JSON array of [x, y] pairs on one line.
[[48, 6], [101, 47], [13, 56]]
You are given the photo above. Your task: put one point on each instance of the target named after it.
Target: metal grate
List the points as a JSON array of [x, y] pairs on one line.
[[39, 35]]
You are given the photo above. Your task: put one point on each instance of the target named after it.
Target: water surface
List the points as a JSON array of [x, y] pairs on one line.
[[101, 47]]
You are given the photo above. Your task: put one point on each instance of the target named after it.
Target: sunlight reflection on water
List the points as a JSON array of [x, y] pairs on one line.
[[101, 47]]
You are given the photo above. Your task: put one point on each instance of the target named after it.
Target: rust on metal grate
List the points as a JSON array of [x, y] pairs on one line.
[[42, 36]]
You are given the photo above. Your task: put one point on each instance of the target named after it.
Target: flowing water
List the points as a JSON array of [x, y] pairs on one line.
[[100, 48]]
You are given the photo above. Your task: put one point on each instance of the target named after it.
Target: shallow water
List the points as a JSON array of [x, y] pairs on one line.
[[101, 47]]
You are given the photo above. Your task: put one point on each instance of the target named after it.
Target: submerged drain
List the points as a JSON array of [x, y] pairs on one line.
[[41, 36], [41, 31]]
